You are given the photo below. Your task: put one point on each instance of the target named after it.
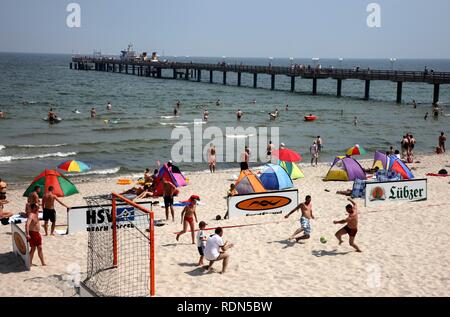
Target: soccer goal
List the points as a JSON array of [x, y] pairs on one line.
[[120, 257]]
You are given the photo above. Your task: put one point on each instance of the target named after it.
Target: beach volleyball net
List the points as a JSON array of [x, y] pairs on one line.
[[120, 257]]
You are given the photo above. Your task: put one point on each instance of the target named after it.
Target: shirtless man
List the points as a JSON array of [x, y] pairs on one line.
[[33, 199], [51, 115], [205, 115], [187, 217], [33, 235], [2, 189], [239, 114], [352, 225], [168, 193], [307, 215], [93, 113], [49, 213], [2, 115], [109, 106], [212, 158]]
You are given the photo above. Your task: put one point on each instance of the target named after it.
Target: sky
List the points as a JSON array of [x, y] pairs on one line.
[[244, 28]]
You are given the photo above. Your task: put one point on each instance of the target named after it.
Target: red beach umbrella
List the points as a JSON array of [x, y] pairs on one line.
[[287, 155]]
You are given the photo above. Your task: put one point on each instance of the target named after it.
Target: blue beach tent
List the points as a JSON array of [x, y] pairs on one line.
[[274, 177]]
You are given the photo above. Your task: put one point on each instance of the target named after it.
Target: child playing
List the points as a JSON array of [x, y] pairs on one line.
[[201, 241]]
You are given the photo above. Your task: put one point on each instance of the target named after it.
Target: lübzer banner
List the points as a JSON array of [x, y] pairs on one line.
[[20, 244], [407, 190], [87, 218], [276, 202]]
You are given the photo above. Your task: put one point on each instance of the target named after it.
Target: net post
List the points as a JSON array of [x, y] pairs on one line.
[[114, 228], [152, 254]]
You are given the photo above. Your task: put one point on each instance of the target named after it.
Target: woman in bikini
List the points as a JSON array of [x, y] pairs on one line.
[[187, 217]]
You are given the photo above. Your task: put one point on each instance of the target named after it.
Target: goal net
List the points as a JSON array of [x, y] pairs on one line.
[[120, 257]]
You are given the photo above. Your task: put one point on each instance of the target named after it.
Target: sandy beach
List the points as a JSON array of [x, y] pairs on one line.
[[404, 245]]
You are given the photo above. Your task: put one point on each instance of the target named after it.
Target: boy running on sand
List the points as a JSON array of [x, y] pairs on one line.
[[307, 215], [201, 241], [352, 225], [187, 217]]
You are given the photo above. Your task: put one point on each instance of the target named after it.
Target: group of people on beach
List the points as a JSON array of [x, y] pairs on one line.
[[407, 147], [33, 206]]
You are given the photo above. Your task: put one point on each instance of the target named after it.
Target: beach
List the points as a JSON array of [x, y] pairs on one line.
[[405, 246]]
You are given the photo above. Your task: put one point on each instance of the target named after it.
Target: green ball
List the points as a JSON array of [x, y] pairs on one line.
[[323, 239]]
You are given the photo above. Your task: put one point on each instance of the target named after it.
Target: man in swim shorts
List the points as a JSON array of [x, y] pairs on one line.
[[49, 213], [212, 158], [351, 227], [33, 235], [168, 193], [305, 225]]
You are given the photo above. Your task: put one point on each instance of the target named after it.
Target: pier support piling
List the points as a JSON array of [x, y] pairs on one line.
[[339, 88], [399, 91], [314, 89], [186, 75], [211, 76], [292, 83], [239, 76], [255, 80], [72, 66], [134, 69], [224, 78], [199, 75], [436, 94], [272, 82], [367, 90], [174, 75]]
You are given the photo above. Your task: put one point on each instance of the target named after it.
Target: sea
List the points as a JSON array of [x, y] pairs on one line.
[[141, 124]]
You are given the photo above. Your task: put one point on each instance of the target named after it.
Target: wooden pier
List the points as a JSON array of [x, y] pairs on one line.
[[188, 71]]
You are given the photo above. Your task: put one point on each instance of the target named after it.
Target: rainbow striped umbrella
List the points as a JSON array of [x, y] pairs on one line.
[[356, 150], [62, 186], [74, 166]]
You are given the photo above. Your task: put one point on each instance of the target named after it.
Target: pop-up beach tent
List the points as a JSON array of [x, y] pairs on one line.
[[396, 165], [345, 168], [249, 183], [274, 177], [381, 161], [392, 163], [292, 169], [165, 173]]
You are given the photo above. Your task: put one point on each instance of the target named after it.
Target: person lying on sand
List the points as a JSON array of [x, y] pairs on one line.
[[305, 225], [134, 191], [351, 227]]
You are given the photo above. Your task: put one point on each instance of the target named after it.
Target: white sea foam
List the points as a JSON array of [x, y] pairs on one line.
[[41, 145], [33, 157], [2, 147], [97, 172]]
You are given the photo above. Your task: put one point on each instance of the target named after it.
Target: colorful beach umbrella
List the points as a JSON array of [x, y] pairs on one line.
[[74, 166], [356, 150], [287, 155], [62, 186]]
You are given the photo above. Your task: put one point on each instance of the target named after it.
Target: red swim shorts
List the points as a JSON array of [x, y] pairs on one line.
[[35, 239]]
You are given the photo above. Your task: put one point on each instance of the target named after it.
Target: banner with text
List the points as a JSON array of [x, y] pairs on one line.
[[85, 218], [408, 190], [276, 202]]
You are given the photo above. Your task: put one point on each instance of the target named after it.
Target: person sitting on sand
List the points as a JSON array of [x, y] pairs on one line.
[[351, 227], [32, 233], [49, 213], [305, 220], [216, 250], [187, 217], [4, 215], [201, 241]]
